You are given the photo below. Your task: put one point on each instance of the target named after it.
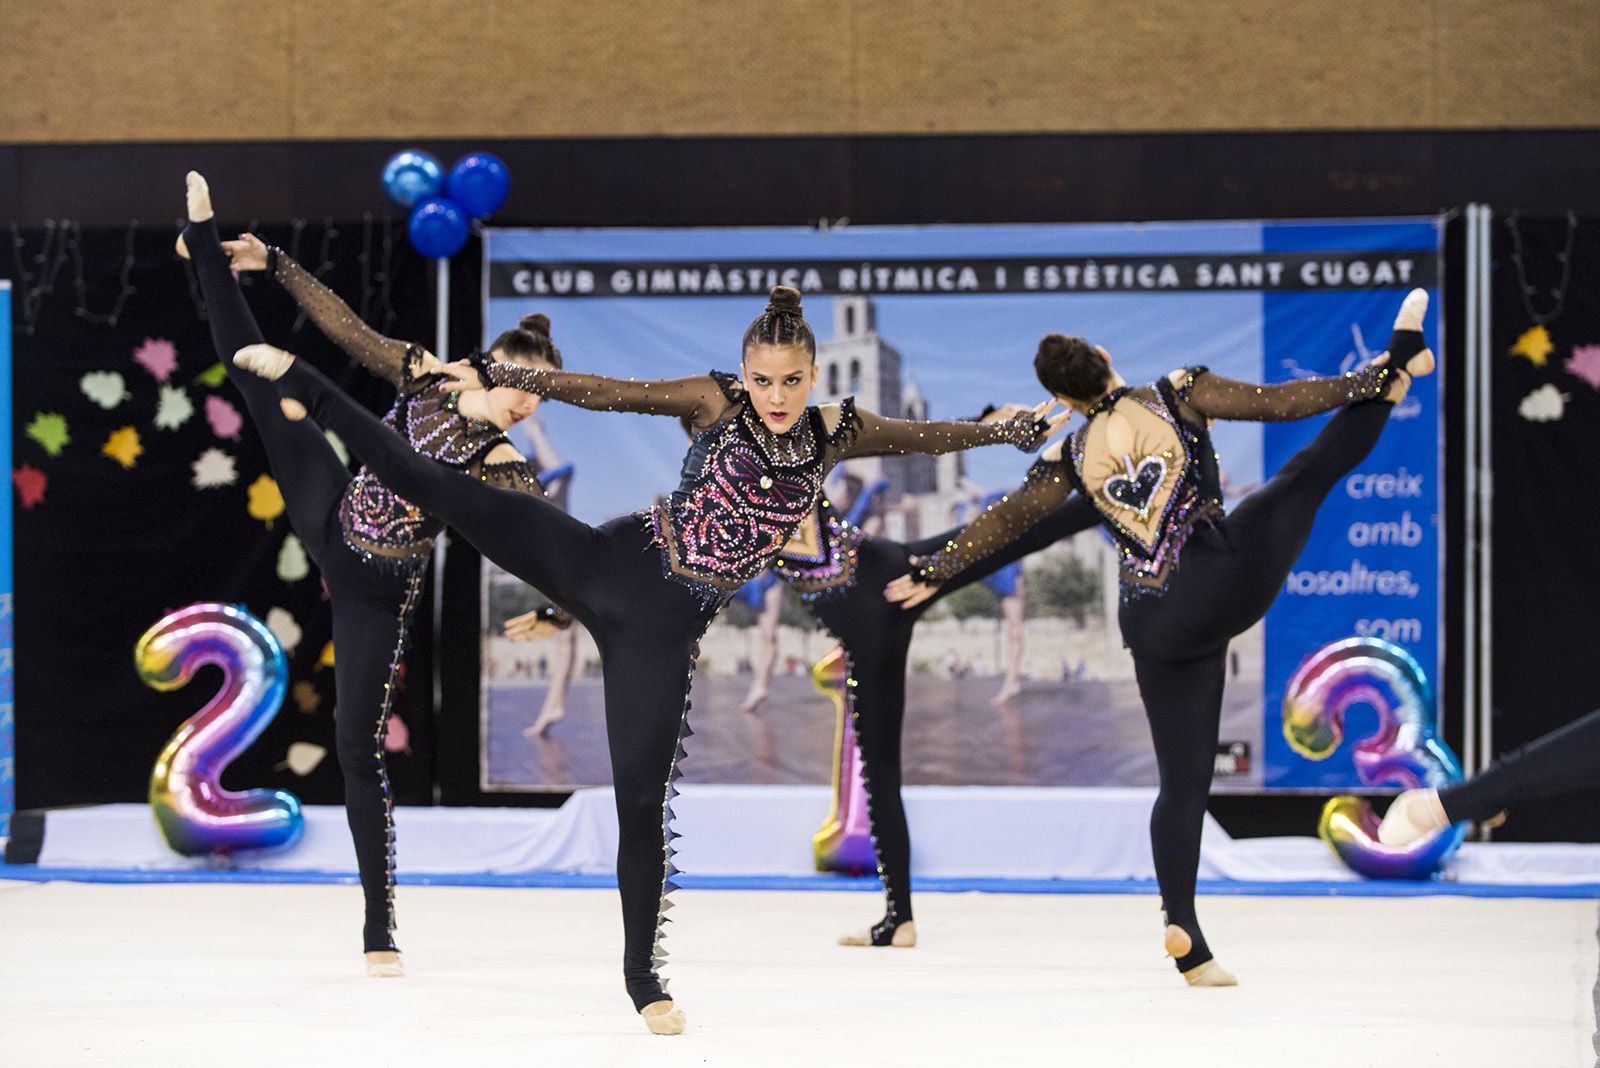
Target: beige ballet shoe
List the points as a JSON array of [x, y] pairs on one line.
[[385, 964], [268, 361], [904, 937], [1412, 310], [1210, 974], [1178, 944], [664, 1018], [198, 195], [1414, 814]]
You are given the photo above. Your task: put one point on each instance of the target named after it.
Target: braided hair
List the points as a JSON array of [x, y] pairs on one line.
[[781, 323]]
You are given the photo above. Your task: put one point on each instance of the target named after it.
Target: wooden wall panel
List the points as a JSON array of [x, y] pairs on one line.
[[1518, 63], [208, 70], [92, 70]]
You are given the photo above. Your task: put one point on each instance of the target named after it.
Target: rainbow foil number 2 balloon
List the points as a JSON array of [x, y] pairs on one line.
[[196, 815], [1402, 752]]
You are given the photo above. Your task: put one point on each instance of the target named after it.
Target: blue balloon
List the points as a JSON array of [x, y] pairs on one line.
[[411, 176], [438, 228], [480, 183]]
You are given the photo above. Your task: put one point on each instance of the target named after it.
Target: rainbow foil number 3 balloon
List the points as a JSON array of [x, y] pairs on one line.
[[1403, 752], [196, 815]]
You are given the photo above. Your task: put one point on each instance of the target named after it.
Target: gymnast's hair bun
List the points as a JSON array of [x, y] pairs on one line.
[[537, 323], [785, 300]]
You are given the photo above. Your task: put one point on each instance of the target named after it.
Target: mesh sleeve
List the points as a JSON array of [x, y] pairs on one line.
[[700, 399], [1216, 397], [1043, 492], [863, 433], [383, 356]]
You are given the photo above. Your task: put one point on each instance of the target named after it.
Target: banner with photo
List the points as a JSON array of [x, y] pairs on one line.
[[1021, 680]]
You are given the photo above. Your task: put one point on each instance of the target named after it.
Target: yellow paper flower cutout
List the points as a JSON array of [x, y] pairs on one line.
[[123, 446], [1535, 346], [266, 502]]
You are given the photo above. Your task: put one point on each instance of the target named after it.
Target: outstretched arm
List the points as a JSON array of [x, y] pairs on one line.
[[1216, 397], [700, 399], [383, 356], [862, 433], [1009, 520]]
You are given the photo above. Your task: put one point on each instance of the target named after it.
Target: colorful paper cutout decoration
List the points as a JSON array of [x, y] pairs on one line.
[[212, 376], [1584, 363], [396, 735], [224, 418], [174, 408], [293, 564], [1544, 405], [306, 697], [158, 356], [124, 447], [1534, 346], [214, 468], [266, 500], [302, 758], [326, 659], [50, 430], [31, 484], [283, 627], [105, 388]]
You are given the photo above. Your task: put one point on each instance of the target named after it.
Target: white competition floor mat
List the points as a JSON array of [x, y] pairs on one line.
[[252, 974]]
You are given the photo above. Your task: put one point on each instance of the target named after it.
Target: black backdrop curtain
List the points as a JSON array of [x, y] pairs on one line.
[[106, 545], [1545, 389]]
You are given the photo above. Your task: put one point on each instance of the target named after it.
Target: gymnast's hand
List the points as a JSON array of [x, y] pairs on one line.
[[907, 592], [462, 377], [248, 253], [531, 626]]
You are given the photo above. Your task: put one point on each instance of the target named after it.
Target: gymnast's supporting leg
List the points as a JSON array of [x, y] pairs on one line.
[[647, 670], [1183, 701]]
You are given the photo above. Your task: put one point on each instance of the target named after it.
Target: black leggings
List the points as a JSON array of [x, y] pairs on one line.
[[371, 606], [647, 627], [1226, 579], [876, 636], [1563, 760]]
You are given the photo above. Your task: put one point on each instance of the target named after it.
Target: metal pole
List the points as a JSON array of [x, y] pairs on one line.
[[441, 344], [1486, 498], [1469, 573]]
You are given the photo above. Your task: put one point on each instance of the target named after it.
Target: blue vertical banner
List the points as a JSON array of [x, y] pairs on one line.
[[8, 674], [1371, 567]]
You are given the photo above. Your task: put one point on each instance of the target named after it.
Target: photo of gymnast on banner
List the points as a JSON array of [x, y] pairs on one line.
[[1021, 679]]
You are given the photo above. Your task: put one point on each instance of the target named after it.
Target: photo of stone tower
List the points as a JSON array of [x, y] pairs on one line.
[[922, 491]]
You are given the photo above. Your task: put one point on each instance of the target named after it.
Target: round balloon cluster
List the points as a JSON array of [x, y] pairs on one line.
[[1402, 752], [442, 205]]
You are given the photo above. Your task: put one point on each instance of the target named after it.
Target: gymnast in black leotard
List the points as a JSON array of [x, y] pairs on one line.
[[1192, 578], [371, 545], [646, 585]]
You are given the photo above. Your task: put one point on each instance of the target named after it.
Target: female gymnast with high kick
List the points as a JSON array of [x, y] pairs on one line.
[[646, 585], [370, 543], [1192, 578]]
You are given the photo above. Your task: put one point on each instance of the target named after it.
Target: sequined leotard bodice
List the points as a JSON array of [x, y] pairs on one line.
[[821, 555], [377, 523], [744, 488], [1143, 458]]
